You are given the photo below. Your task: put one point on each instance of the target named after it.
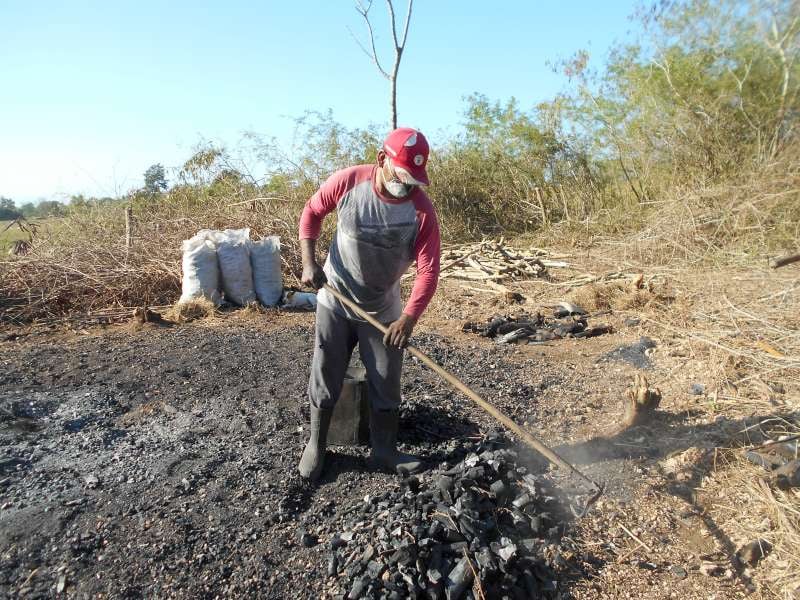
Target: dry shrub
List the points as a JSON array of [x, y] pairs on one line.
[[724, 221], [79, 263], [622, 296], [730, 222], [596, 297]]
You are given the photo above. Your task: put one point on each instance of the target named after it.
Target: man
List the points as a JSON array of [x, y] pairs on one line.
[[385, 221]]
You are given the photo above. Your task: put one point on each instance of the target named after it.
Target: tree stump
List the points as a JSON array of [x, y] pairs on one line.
[[640, 402]]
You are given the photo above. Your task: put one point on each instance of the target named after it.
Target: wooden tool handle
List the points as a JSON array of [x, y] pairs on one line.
[[454, 381]]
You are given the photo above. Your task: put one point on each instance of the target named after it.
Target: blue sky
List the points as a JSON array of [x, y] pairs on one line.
[[95, 92]]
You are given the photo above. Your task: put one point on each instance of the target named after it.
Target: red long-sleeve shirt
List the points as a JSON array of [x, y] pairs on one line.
[[377, 238]]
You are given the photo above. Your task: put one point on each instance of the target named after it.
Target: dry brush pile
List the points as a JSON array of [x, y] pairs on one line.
[[82, 264]]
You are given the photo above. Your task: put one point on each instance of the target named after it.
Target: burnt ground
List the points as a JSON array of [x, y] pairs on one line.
[[160, 462]]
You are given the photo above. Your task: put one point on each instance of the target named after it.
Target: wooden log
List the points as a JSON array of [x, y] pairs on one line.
[[554, 264], [447, 266], [472, 276], [473, 262], [542, 208]]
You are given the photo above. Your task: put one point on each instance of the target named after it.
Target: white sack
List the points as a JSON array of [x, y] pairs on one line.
[[301, 300], [265, 258], [234, 265], [200, 270], [230, 236]]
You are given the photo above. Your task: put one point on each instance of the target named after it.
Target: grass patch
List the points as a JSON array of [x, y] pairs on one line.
[[618, 296]]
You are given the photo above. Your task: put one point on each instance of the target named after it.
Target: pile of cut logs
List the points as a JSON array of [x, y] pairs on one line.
[[492, 262]]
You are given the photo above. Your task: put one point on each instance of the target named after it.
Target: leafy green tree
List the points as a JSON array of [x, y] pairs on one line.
[[50, 208], [8, 210], [28, 209], [202, 166], [78, 202], [714, 89], [322, 145], [155, 180]]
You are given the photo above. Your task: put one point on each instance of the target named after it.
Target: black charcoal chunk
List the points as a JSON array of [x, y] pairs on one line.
[[358, 588], [375, 569], [458, 580]]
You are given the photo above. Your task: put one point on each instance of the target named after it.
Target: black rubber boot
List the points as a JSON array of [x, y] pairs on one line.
[[383, 425], [313, 458]]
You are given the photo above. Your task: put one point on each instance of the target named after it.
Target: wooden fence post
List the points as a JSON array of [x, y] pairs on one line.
[[128, 227]]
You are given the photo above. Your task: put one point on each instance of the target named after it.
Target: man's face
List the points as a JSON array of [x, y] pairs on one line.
[[391, 181]]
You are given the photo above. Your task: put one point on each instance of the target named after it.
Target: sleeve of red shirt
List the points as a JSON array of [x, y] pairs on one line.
[[327, 197], [427, 250]]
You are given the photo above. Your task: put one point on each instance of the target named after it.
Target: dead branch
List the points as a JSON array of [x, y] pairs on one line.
[[776, 263], [363, 10], [399, 43]]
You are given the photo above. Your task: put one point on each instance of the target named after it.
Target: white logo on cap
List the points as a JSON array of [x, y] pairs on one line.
[[419, 159]]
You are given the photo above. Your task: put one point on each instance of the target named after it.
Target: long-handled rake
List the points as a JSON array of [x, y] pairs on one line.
[[526, 437]]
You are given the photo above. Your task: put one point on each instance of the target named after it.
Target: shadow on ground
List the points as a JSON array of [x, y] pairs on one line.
[[669, 434]]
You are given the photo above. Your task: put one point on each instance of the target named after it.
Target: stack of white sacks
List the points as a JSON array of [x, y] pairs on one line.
[[229, 263]]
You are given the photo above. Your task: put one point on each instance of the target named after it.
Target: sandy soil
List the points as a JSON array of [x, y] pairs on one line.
[[159, 461]]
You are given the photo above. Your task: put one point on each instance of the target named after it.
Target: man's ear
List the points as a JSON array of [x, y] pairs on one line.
[[381, 157]]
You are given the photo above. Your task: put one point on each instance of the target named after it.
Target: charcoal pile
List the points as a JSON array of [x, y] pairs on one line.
[[482, 528], [567, 321]]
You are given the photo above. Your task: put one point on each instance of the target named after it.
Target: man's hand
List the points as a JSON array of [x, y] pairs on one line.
[[313, 275], [399, 332]]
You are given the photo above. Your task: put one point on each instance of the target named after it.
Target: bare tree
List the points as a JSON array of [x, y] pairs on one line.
[[363, 9]]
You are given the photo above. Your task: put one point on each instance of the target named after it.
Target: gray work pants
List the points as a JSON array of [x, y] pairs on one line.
[[335, 338]]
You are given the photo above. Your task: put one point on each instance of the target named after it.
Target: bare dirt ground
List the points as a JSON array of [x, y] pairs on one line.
[[159, 461]]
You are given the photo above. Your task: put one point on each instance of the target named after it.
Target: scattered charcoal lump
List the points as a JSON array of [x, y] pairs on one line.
[[752, 553], [568, 321], [780, 457], [788, 476], [485, 517]]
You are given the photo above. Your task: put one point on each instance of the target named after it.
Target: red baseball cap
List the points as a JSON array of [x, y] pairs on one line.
[[408, 150]]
